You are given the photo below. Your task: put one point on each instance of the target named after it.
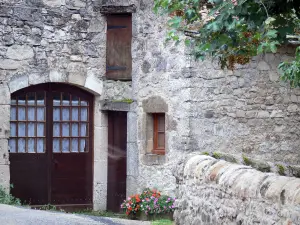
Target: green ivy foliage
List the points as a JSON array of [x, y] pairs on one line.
[[233, 31]]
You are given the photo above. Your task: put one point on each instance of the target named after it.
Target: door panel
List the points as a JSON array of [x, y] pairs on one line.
[[117, 159], [28, 174], [71, 171], [71, 178]]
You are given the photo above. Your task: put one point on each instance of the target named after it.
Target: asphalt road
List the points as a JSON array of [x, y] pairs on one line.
[[12, 215]]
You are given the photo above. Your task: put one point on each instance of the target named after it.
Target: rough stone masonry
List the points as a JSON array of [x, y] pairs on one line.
[[218, 192]]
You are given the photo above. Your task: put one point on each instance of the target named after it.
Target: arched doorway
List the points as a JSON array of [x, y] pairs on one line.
[[51, 145]]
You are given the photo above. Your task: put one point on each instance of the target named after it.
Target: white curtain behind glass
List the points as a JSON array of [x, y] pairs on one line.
[[30, 130], [71, 128]]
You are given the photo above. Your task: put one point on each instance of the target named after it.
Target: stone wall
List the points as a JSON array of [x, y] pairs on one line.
[[218, 192], [246, 112]]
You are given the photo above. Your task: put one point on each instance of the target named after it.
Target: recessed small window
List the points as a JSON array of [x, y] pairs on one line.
[[159, 133]]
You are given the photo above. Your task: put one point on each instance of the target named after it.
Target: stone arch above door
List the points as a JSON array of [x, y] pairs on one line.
[[78, 76]]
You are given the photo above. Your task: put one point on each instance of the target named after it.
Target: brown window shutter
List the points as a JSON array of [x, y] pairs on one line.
[[118, 47], [159, 133]]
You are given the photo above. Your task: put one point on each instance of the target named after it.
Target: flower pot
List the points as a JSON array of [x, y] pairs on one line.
[[134, 216], [150, 217]]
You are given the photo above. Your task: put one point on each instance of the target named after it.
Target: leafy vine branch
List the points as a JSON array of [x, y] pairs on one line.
[[233, 31]]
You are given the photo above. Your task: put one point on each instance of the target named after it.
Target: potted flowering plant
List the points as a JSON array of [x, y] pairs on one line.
[[131, 206], [149, 205], [156, 206]]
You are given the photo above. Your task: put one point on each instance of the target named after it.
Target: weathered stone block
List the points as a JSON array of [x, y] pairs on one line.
[[295, 170], [4, 176], [18, 82], [132, 160], [57, 76], [262, 65], [131, 127], [101, 144], [100, 196], [4, 94], [8, 64], [93, 83], [77, 73], [4, 121], [155, 104], [115, 105], [4, 154], [20, 52]]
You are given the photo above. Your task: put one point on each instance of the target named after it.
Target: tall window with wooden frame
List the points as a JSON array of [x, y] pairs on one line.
[[159, 133], [118, 47]]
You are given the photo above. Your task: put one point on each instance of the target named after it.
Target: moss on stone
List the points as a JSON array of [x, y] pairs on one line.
[[216, 155], [247, 161], [205, 153], [125, 100], [224, 156], [257, 164], [280, 169]]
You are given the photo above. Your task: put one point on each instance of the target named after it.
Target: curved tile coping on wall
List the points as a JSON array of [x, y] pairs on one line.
[[243, 181]]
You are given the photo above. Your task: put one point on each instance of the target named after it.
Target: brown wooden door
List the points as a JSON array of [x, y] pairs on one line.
[[117, 159], [51, 145]]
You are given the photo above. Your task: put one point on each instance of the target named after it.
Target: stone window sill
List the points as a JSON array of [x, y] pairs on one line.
[[153, 159]]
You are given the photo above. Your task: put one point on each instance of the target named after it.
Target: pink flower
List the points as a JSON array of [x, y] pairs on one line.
[[235, 2]]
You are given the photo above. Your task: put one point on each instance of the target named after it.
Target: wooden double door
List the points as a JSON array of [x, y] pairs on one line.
[[51, 145]]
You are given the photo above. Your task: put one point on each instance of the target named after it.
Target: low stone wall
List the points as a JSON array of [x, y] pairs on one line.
[[216, 192]]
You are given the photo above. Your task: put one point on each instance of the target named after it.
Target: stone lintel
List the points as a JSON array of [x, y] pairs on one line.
[[111, 9], [155, 104], [115, 106]]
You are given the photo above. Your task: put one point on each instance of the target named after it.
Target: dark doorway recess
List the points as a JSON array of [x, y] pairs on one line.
[[117, 158], [51, 145]]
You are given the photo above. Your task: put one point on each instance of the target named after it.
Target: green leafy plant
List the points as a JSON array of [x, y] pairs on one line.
[[280, 169], [233, 31], [7, 198], [291, 70]]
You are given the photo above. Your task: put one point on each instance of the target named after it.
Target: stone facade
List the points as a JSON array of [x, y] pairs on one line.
[[243, 112], [218, 192]]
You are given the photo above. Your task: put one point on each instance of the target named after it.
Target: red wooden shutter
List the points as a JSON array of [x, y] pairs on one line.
[[159, 133], [118, 47]]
